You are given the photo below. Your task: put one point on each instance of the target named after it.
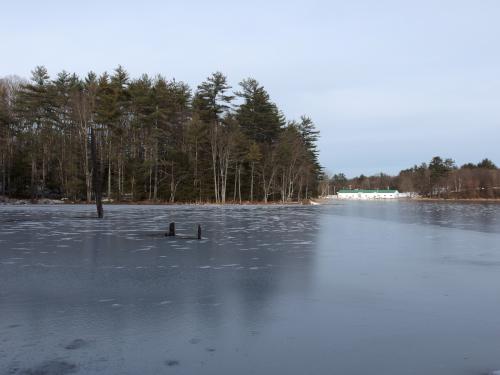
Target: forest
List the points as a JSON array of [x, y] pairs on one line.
[[440, 178], [155, 140]]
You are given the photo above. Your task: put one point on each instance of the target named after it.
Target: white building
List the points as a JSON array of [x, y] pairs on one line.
[[369, 194]]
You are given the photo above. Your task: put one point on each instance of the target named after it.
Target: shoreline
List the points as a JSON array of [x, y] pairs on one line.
[[460, 200], [46, 201], [416, 199], [309, 202]]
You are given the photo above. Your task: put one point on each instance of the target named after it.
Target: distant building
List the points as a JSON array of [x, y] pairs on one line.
[[369, 194]]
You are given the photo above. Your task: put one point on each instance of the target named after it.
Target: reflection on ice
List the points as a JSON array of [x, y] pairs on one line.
[[281, 289]]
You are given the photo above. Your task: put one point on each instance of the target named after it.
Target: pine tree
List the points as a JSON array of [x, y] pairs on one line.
[[212, 102], [149, 138], [259, 118]]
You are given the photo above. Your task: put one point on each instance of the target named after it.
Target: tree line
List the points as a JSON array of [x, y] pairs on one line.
[[154, 139], [440, 178]]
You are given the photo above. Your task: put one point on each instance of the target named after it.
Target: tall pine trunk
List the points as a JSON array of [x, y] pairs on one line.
[[251, 183], [239, 183], [96, 176], [86, 167]]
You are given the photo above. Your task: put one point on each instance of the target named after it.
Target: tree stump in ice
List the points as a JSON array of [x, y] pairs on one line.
[[171, 230]]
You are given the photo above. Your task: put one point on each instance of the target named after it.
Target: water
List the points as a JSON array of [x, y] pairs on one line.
[[348, 288]]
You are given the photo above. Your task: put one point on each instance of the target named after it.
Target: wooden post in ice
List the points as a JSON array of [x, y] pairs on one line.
[[199, 231], [171, 230]]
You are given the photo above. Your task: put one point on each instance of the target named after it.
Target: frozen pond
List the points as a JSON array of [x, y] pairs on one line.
[[348, 288]]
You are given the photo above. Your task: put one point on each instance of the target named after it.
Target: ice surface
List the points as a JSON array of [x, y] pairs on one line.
[[349, 288]]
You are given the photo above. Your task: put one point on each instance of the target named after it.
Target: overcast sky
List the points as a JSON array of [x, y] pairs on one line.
[[388, 83]]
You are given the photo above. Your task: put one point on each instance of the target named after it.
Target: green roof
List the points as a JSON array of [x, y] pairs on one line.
[[367, 191]]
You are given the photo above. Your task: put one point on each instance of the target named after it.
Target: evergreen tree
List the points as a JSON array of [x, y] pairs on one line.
[[212, 103], [150, 138], [486, 164], [259, 118]]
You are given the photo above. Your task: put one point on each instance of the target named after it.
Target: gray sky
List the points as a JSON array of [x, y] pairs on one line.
[[388, 83]]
